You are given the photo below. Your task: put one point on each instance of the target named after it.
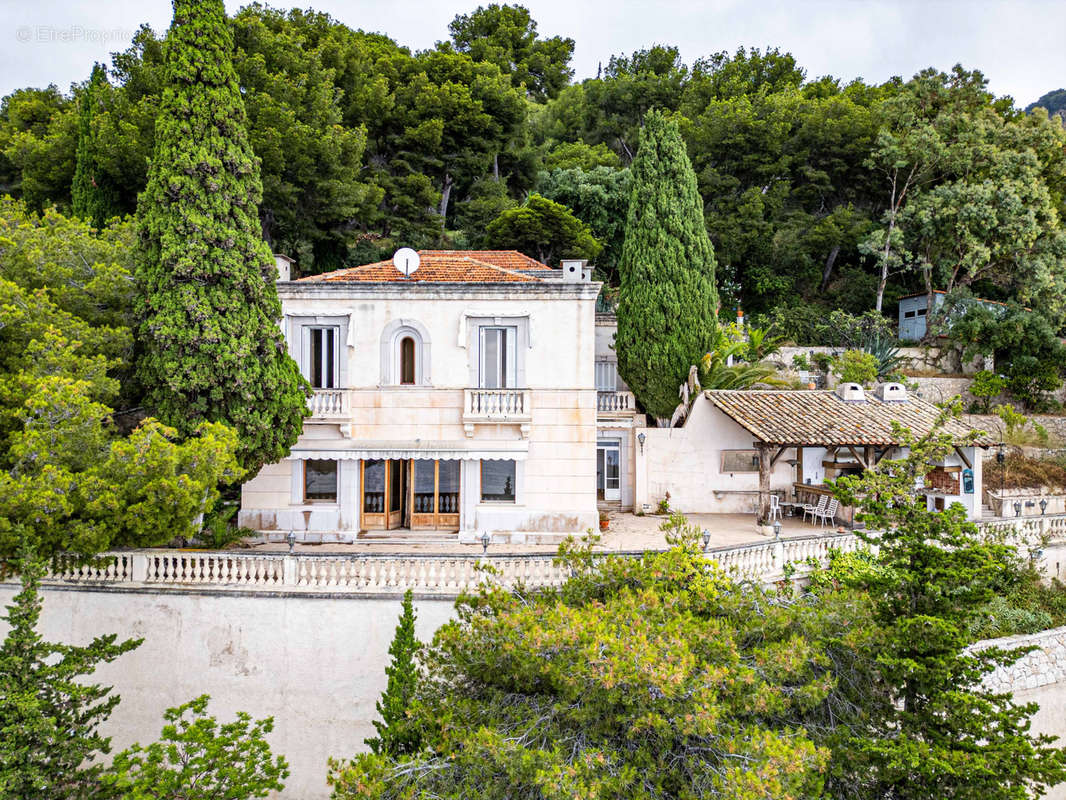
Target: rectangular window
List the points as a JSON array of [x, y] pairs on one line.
[[497, 481], [320, 481], [498, 357], [448, 497], [908, 314], [322, 356], [740, 461], [374, 487], [921, 312], [425, 486], [606, 376]]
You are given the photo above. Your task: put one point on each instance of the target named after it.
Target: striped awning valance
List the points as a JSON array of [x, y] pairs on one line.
[[443, 451]]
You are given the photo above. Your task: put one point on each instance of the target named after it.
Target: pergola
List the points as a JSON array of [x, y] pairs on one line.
[[782, 420]]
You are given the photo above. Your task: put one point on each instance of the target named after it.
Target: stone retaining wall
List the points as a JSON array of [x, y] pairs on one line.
[[1045, 666]]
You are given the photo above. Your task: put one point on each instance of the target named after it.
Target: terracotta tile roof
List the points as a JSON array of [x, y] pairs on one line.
[[508, 259], [446, 266], [822, 418]]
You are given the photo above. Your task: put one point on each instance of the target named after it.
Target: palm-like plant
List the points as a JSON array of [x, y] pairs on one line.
[[887, 353], [716, 372]]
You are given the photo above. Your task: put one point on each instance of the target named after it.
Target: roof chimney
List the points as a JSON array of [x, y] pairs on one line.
[[851, 393], [573, 269], [284, 265], [891, 393]]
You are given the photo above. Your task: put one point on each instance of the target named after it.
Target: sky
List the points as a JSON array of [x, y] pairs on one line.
[[1017, 44]]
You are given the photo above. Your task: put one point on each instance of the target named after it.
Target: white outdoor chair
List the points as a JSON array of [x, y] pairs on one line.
[[775, 507], [827, 514], [814, 510]]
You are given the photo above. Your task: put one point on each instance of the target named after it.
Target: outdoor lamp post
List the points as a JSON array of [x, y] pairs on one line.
[[706, 538], [291, 539], [641, 438], [777, 530], [1001, 458], [1017, 508], [485, 539]]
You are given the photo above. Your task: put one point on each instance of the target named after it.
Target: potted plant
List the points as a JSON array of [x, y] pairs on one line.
[[604, 521]]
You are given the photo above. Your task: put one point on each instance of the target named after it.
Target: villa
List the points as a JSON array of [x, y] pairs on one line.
[[460, 397]]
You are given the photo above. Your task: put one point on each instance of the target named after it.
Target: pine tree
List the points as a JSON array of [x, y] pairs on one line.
[[668, 304], [49, 743], [397, 734], [935, 730], [92, 194], [211, 346]]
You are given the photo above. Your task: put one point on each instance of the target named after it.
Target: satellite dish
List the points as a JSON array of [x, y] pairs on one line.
[[406, 261]]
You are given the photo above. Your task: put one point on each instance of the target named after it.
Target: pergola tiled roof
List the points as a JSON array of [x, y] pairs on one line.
[[821, 418], [446, 266]]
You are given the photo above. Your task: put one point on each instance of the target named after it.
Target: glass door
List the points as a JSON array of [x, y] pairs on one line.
[[608, 471]]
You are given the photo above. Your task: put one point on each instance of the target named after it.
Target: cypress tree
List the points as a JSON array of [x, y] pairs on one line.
[[92, 194], [668, 304], [397, 734], [210, 344]]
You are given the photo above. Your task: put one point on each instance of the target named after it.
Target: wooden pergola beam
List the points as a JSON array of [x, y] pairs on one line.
[[855, 454], [962, 455]]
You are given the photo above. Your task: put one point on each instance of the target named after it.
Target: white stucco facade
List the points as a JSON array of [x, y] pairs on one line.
[[693, 463], [538, 425]]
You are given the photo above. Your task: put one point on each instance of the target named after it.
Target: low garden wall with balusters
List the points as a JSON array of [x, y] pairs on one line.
[[444, 576]]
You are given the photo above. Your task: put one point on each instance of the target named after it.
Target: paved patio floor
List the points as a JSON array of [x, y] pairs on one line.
[[626, 532]]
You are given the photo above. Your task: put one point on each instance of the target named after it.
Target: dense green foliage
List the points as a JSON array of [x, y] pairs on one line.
[[817, 195], [81, 469], [506, 36], [814, 191], [210, 346], [398, 733], [937, 732], [49, 719], [198, 758], [668, 306], [92, 196], [639, 678], [546, 230]]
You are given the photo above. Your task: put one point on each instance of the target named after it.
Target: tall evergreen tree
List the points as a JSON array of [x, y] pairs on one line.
[[49, 742], [931, 727], [397, 733], [668, 304], [92, 194], [211, 345]]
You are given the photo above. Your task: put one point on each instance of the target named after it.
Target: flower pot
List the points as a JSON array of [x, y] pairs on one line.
[[603, 524]]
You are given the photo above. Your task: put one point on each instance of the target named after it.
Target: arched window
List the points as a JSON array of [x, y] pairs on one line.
[[407, 360], [405, 357]]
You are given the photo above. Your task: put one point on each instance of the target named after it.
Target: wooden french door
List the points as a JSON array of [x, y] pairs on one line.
[[420, 494]]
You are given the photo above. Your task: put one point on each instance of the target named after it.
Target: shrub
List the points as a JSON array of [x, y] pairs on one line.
[[856, 366], [799, 362], [1020, 430], [986, 386], [1001, 617]]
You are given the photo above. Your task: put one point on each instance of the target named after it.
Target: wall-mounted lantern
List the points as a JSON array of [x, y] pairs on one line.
[[641, 438], [1017, 508]]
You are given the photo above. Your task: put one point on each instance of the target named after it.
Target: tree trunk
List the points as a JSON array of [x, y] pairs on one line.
[[764, 483], [496, 167], [445, 196], [828, 271]]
